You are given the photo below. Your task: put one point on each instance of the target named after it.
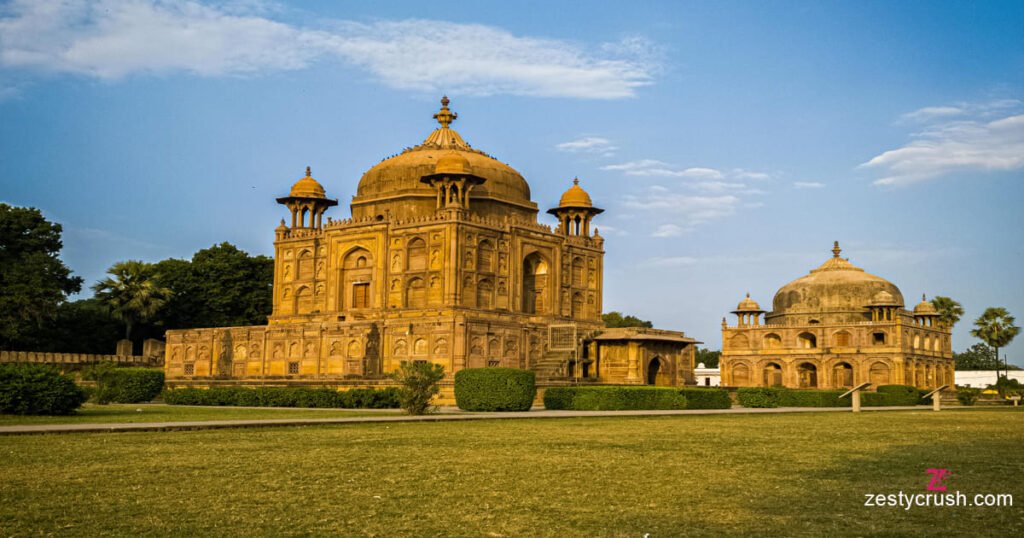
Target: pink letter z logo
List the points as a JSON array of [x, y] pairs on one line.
[[938, 475]]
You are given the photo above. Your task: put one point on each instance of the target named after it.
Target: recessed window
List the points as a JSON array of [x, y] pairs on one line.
[[420, 361], [493, 364], [878, 338], [293, 367], [190, 368]]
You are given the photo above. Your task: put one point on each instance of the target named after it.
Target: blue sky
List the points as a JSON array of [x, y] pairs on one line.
[[729, 142]]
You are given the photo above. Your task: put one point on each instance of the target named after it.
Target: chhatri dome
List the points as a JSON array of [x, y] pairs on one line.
[[575, 196], [307, 187], [837, 291], [395, 184], [925, 308]]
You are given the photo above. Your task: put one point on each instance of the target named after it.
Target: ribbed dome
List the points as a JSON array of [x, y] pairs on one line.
[[401, 174], [748, 305], [308, 187], [924, 308], [835, 291], [575, 196]]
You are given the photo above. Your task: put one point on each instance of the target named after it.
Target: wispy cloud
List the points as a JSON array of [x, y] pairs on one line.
[[948, 146], [808, 185], [588, 144], [702, 194], [111, 39], [982, 110]]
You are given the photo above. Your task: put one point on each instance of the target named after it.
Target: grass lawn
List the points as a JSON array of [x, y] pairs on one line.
[[767, 475], [92, 413]]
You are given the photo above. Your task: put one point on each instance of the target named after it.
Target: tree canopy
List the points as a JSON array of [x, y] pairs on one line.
[[221, 286], [34, 282], [708, 357], [950, 311], [132, 293], [996, 328], [977, 357], [616, 319]]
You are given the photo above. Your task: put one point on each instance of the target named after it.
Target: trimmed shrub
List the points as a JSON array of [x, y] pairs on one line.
[[892, 396], [967, 395], [614, 398], [128, 385], [706, 398], [285, 397], [37, 389], [759, 396], [557, 398], [813, 398], [495, 389]]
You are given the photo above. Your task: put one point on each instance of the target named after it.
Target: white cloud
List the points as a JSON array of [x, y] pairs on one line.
[[954, 146], [668, 230], [588, 144], [982, 110], [808, 185], [111, 39]]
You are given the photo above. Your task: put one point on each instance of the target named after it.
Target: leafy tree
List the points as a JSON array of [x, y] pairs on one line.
[[616, 319], [977, 357], [708, 357], [995, 327], [419, 384], [132, 293], [950, 311], [33, 279], [221, 286]]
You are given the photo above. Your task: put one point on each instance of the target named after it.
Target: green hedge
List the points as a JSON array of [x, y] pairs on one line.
[[128, 385], [286, 397], [893, 396], [495, 389], [37, 389], [813, 398], [558, 398], [613, 398], [759, 396], [706, 398]]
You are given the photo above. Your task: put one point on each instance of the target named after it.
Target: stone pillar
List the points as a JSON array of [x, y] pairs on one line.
[[124, 348]]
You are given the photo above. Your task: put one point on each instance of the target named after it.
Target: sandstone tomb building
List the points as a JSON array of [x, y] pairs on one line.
[[838, 326], [442, 260]]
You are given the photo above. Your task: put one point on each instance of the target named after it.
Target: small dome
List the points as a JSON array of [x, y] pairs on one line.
[[453, 163], [883, 298], [307, 187], [924, 308], [575, 196], [748, 305]]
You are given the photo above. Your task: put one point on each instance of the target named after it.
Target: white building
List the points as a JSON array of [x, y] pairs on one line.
[[980, 379], [707, 377]]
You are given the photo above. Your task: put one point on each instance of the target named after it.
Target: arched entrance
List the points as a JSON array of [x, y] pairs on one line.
[[808, 375], [535, 284], [653, 368], [842, 375], [772, 375]]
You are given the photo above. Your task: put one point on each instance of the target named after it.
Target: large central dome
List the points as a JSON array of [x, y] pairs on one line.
[[837, 291], [399, 177]]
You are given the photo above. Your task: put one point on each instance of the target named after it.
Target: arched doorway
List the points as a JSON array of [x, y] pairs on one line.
[[808, 375], [535, 284], [879, 374], [842, 375], [653, 369], [772, 375]]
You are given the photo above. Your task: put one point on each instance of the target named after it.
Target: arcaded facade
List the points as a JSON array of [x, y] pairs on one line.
[[836, 327], [442, 260]]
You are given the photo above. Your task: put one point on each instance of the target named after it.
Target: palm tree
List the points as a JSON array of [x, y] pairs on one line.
[[995, 327], [132, 295], [949, 310]]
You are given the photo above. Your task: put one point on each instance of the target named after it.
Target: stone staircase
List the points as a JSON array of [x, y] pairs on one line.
[[552, 366]]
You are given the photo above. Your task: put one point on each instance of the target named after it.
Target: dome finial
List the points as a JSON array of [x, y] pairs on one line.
[[309, 172], [445, 116], [922, 298], [835, 249], [748, 295], [576, 181]]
